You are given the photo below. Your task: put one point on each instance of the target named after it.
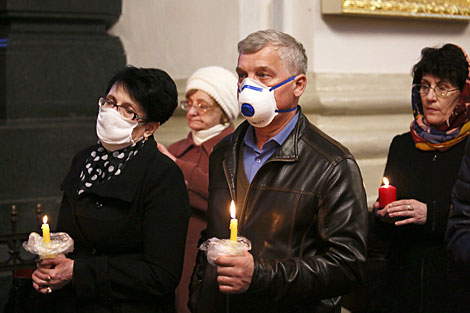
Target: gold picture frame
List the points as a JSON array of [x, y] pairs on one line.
[[429, 9]]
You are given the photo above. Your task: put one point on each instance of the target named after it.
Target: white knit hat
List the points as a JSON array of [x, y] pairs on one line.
[[220, 84]]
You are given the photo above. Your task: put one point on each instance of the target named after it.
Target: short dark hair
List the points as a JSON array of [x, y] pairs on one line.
[[152, 88], [448, 63]]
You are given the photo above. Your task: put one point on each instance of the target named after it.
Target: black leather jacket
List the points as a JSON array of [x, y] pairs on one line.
[[305, 213]]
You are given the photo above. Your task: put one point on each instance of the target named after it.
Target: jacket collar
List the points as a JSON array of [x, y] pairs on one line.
[[121, 187], [288, 152]]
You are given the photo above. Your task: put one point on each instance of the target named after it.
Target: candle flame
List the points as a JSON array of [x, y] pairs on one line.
[[386, 183], [232, 209], [44, 219]]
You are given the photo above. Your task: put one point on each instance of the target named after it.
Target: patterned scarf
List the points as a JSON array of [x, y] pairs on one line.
[[429, 137], [101, 165]]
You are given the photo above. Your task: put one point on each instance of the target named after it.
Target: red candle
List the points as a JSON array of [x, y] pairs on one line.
[[387, 193]]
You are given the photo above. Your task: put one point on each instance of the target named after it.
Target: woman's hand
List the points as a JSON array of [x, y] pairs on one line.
[[165, 151], [382, 214], [52, 274], [409, 211]]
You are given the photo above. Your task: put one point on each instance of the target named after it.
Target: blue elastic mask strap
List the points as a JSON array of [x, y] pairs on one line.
[[282, 83], [250, 87], [288, 110]]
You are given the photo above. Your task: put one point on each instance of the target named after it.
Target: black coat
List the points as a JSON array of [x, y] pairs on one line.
[[305, 213], [458, 231], [418, 277], [129, 236]]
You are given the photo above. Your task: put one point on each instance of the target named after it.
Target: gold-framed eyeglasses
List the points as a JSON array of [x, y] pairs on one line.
[[440, 91], [199, 106], [125, 111]]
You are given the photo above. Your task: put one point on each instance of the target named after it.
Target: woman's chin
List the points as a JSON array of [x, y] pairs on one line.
[[196, 129], [196, 126], [434, 120]]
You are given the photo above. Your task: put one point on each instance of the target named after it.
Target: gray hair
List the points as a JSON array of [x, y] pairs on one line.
[[290, 51]]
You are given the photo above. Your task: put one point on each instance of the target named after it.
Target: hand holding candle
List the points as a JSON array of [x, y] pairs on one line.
[[235, 246], [387, 193], [45, 230], [233, 223]]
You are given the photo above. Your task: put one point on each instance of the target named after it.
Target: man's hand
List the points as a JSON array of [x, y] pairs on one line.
[[234, 272]]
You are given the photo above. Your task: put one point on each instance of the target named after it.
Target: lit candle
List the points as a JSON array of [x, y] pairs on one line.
[[387, 193], [45, 230], [233, 223]]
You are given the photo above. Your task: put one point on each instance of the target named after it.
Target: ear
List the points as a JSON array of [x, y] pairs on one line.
[[150, 128], [300, 83]]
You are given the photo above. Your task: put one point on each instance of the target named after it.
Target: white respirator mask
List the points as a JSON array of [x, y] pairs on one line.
[[257, 102]]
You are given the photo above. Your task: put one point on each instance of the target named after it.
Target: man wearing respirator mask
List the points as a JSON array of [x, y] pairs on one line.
[[299, 197]]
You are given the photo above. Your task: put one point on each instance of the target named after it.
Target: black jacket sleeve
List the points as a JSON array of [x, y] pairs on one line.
[[458, 229]]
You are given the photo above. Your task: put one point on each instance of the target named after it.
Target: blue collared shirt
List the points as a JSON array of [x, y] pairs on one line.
[[253, 158]]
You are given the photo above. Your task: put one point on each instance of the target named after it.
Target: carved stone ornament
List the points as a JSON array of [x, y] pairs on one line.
[[430, 9]]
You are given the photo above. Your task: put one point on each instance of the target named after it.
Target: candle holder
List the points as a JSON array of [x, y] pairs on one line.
[[61, 243], [215, 247]]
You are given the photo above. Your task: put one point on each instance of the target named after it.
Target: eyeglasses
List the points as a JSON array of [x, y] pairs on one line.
[[201, 106], [440, 91], [126, 112]]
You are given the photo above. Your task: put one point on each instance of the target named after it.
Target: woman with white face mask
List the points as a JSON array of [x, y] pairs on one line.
[[125, 205], [211, 105]]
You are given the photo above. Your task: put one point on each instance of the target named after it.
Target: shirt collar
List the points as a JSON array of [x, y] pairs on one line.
[[250, 139]]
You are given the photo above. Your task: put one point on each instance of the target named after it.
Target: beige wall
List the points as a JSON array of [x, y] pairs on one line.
[[359, 81], [179, 36]]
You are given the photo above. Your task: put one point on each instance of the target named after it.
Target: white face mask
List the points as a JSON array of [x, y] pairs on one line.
[[257, 102], [112, 129]]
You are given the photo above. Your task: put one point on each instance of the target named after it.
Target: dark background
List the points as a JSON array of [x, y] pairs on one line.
[[56, 58]]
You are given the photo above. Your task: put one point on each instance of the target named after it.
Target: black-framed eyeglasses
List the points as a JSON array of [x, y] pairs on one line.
[[125, 111], [199, 106], [440, 91]]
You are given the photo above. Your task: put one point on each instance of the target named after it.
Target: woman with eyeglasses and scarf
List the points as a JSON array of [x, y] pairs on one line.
[[423, 165], [125, 205], [211, 106]]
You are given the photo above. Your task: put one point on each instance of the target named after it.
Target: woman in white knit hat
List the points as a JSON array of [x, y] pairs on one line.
[[211, 105]]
